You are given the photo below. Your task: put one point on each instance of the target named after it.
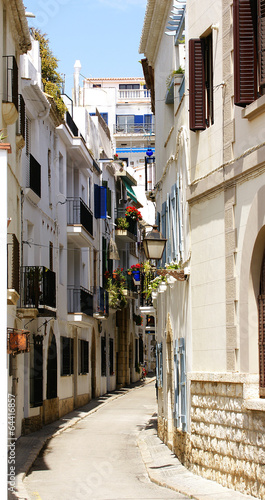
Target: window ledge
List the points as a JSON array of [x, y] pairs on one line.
[[254, 109], [254, 404]]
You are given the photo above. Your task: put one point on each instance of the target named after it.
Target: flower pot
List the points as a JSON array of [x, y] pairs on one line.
[[162, 287], [136, 277]]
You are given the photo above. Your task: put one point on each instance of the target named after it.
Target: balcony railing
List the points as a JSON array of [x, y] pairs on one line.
[[13, 264], [137, 128], [142, 94], [21, 124], [120, 213], [101, 302], [11, 74], [145, 300], [34, 175], [71, 124], [79, 213], [129, 283], [38, 289], [79, 300]]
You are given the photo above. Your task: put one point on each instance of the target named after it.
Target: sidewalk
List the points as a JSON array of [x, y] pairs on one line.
[[162, 466]]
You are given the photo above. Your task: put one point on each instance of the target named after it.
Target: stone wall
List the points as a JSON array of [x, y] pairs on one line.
[[65, 406], [50, 410], [226, 442], [227, 439]]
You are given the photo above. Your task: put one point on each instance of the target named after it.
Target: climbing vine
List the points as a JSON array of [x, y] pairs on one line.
[[51, 79]]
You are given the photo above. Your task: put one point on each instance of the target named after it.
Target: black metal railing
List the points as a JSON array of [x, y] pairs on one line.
[[13, 274], [129, 282], [101, 301], [120, 213], [34, 175], [145, 297], [21, 123], [71, 124], [38, 288], [11, 74], [79, 300], [79, 213]]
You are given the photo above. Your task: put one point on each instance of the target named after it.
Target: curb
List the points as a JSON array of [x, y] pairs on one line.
[[20, 493], [156, 455]]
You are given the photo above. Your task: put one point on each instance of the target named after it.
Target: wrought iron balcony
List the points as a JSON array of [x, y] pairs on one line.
[[38, 290], [79, 217], [79, 300], [126, 234], [101, 303], [34, 180], [13, 269], [10, 91], [71, 124]]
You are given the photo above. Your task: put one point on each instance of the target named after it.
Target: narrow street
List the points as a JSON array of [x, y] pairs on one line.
[[98, 459]]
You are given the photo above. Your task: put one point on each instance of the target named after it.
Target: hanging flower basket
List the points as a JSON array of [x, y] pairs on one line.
[[17, 341]]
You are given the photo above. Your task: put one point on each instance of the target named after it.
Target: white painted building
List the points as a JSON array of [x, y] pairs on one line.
[[210, 183]]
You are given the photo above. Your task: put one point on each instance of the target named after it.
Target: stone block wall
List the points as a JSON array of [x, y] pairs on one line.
[[65, 406], [227, 439]]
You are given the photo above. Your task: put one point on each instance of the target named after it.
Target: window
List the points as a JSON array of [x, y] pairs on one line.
[[125, 123], [103, 357], [105, 184], [249, 50], [100, 202], [51, 256], [83, 350], [105, 116], [36, 372], [61, 176], [201, 83], [49, 177], [129, 86], [111, 357], [67, 356]]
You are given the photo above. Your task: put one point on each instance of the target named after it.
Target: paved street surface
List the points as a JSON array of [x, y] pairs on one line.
[[98, 458]]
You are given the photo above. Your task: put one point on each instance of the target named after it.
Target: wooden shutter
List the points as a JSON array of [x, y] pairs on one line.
[[164, 229], [197, 85], [100, 202], [245, 52], [262, 332], [261, 40], [168, 236], [173, 201], [180, 410]]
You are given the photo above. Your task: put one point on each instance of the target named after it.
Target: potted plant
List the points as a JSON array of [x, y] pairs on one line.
[[137, 318], [122, 223], [133, 214], [136, 268]]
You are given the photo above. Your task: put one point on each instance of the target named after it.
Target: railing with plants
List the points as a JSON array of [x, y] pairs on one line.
[[101, 301], [127, 218]]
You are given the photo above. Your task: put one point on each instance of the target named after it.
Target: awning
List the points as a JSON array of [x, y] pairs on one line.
[[129, 190]]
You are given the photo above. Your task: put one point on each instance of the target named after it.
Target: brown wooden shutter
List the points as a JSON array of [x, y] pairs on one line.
[[261, 40], [245, 52], [262, 332], [196, 85]]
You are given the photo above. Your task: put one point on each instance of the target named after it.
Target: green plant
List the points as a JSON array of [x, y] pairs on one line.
[[51, 79], [122, 223], [137, 318], [172, 265], [115, 287], [179, 71], [2, 136], [154, 285]]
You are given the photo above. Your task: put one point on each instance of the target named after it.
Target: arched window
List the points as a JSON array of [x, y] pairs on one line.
[[262, 331]]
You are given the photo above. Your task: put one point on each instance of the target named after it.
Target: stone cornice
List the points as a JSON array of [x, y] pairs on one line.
[[19, 24], [156, 15]]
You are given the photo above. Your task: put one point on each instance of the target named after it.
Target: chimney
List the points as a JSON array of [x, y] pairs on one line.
[[77, 67]]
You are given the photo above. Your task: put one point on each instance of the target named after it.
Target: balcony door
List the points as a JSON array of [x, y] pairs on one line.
[[52, 369]]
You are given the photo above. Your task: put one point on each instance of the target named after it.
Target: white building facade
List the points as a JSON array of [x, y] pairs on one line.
[[210, 146]]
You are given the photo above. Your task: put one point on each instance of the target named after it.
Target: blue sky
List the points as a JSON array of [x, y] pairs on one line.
[[103, 34]]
